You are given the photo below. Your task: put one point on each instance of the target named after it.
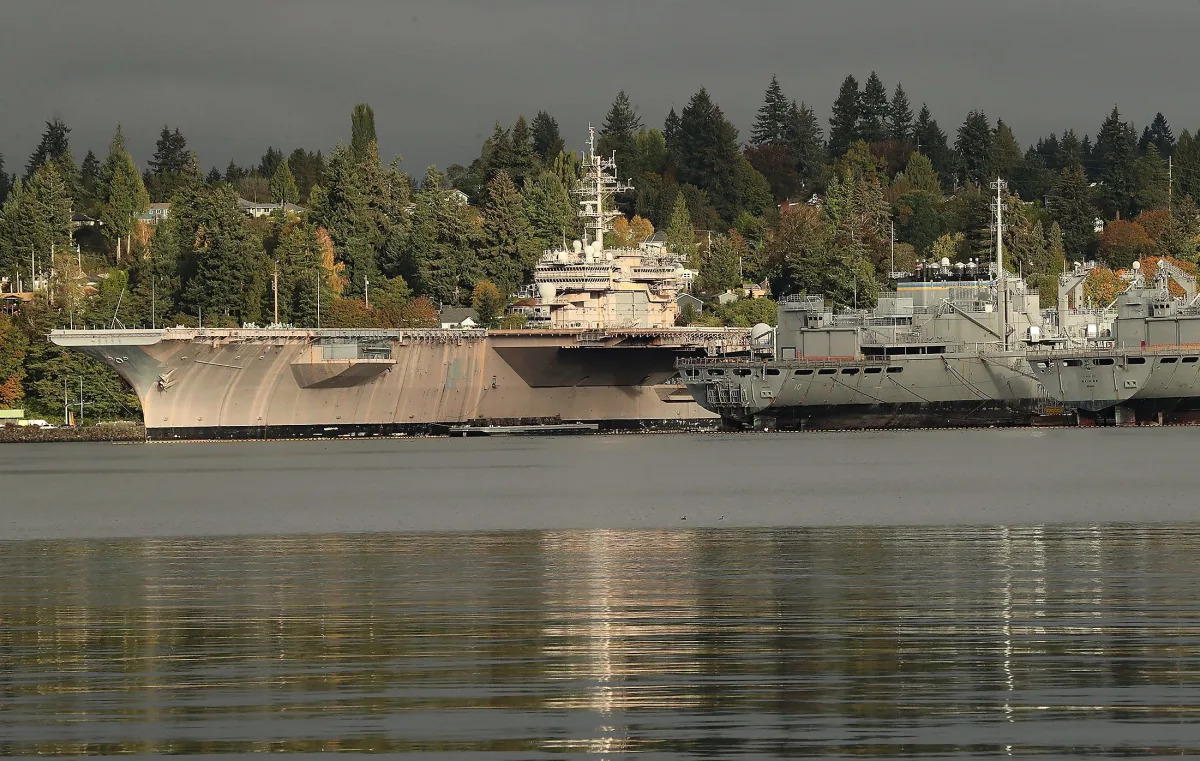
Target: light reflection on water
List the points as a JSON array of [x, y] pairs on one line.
[[708, 644]]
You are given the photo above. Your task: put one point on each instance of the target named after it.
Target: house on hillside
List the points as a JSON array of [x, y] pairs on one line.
[[259, 209], [158, 212], [452, 318]]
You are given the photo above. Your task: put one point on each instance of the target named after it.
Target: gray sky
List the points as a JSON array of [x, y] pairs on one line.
[[239, 75]]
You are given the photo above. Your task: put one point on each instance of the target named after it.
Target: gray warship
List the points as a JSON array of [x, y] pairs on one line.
[[959, 345]]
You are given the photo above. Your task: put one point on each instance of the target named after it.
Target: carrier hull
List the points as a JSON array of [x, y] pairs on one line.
[[239, 384]]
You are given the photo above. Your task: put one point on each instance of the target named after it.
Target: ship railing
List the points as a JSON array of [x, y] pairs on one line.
[[1111, 349]]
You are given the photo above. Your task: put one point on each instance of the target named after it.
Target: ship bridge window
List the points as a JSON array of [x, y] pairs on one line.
[[873, 370], [895, 369], [1135, 360], [804, 372], [1189, 360], [772, 371], [716, 372], [1168, 360], [1072, 363], [849, 371], [826, 371], [1102, 361]]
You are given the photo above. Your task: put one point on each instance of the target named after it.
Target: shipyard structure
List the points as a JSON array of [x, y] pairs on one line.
[[604, 352]]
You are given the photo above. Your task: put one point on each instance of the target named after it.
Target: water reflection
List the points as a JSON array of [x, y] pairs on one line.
[[773, 643]]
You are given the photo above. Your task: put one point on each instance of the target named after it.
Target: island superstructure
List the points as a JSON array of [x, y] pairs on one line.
[[606, 355]]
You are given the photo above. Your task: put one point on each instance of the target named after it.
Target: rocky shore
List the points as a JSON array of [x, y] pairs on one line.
[[29, 434]]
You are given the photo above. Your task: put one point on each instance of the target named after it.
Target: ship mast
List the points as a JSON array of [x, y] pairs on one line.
[[1001, 286], [599, 181]]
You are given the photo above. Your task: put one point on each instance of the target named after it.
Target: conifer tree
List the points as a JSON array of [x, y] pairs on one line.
[[770, 124], [671, 133], [873, 111], [498, 155], [681, 237], [1116, 154], [618, 132], [510, 251], [1006, 155], [721, 268], [843, 124], [931, 141], [124, 195], [441, 262], [4, 182], [900, 116], [89, 184], [547, 142], [921, 176], [270, 161], [362, 130], [55, 146], [1158, 135], [974, 148], [222, 263], [802, 133], [551, 213], [169, 166], [1073, 211], [1186, 158], [708, 155], [36, 219], [283, 185], [489, 302], [524, 163]]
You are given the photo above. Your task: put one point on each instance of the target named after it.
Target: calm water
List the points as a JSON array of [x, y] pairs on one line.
[[813, 633]]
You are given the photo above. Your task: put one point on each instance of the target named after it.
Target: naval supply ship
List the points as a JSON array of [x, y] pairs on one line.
[[604, 351], [950, 347], [1146, 368]]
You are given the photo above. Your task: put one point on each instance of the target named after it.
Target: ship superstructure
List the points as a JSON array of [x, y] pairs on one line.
[[588, 283]]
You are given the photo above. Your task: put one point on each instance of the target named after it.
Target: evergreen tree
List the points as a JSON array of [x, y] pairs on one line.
[[681, 237], [920, 175], [721, 268], [222, 264], [900, 117], [1150, 181], [524, 162], [497, 155], [803, 257], [270, 162], [234, 173], [974, 148], [55, 146], [35, 220], [4, 182], [362, 130], [170, 166], [1186, 158], [1070, 150], [441, 261], [671, 134], [124, 196], [547, 142], [1072, 210], [843, 124], [802, 133], [308, 169], [551, 213], [489, 302], [932, 142], [350, 207], [283, 185], [214, 176], [1158, 135], [708, 154], [510, 251], [873, 111], [1006, 155], [1116, 154], [770, 124], [89, 183], [618, 132]]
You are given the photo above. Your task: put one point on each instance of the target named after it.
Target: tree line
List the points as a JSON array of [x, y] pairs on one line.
[[814, 207]]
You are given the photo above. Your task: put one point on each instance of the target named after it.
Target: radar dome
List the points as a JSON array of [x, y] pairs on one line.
[[1138, 265], [546, 291], [945, 261], [760, 334], [577, 246]]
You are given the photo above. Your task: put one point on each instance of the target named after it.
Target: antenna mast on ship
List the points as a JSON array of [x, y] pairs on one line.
[[1001, 286], [599, 181]]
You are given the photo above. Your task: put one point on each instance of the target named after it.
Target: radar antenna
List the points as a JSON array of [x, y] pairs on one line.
[[599, 183]]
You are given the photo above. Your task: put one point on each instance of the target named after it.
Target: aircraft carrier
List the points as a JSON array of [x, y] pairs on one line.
[[286, 383], [604, 352]]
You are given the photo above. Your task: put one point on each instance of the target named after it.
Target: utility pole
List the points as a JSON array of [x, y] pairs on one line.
[[1001, 287], [80, 421], [892, 226], [153, 279], [1170, 181], [275, 289], [367, 291], [66, 405], [318, 278]]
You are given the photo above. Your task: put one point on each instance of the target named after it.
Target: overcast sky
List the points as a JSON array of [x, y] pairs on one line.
[[239, 75]]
